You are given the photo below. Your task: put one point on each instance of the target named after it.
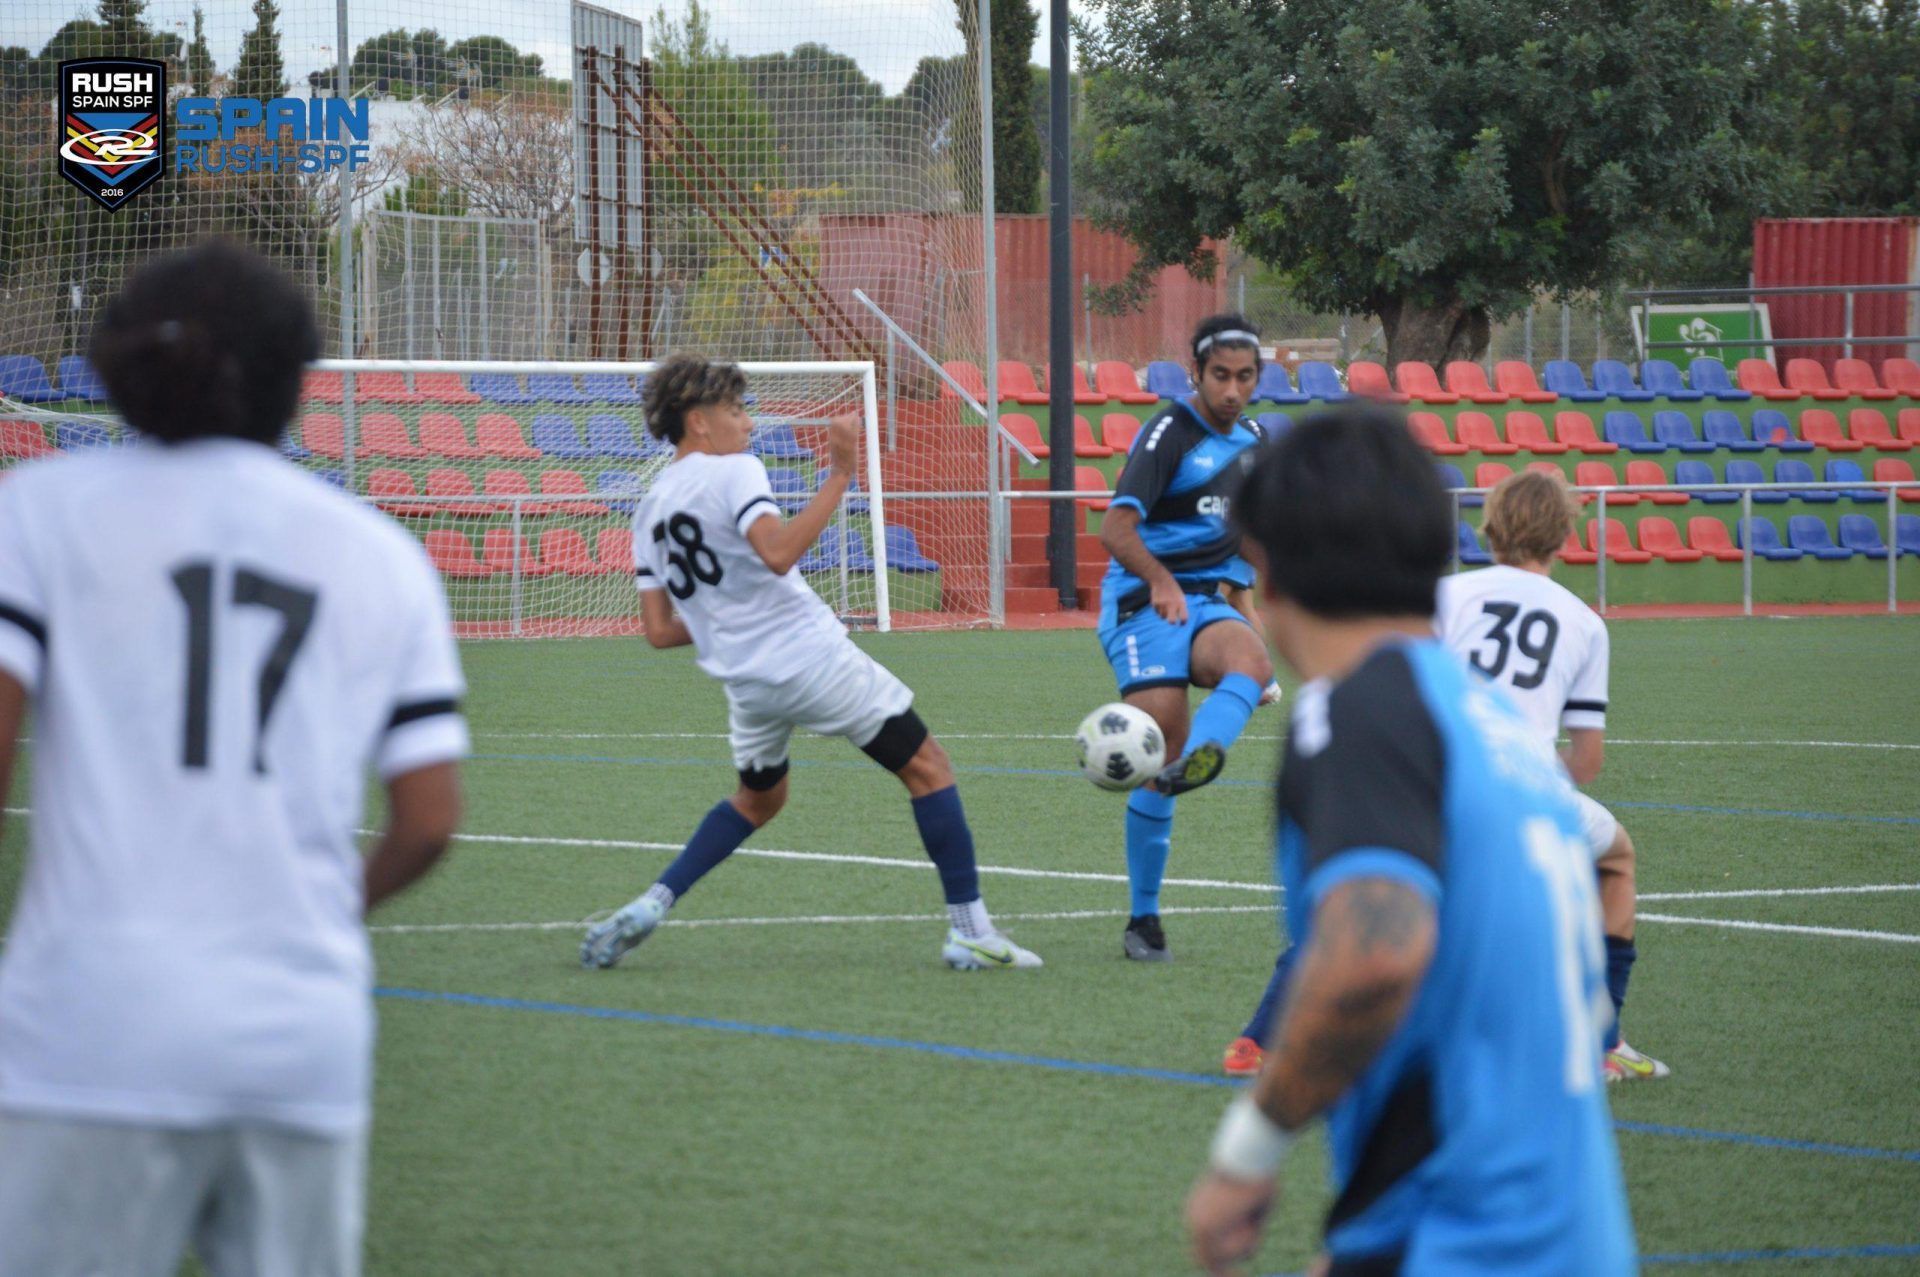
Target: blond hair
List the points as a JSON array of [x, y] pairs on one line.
[[1529, 517]]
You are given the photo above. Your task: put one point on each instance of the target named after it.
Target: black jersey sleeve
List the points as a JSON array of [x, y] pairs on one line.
[[1370, 795], [1152, 464]]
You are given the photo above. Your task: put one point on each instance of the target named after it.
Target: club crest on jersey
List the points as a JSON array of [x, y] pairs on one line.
[[111, 132]]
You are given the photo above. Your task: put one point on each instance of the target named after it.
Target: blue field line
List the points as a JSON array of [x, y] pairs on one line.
[[1055, 1063], [1898, 1251], [1229, 783]]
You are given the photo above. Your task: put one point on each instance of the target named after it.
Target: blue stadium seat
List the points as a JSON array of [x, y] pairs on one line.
[[1450, 477], [292, 450], [1673, 428], [903, 551], [1320, 381], [23, 378], [1470, 551], [789, 487], [1808, 533], [1709, 376], [1627, 430], [1564, 378], [1766, 540], [1724, 430], [1906, 534], [1276, 387], [619, 489], [556, 436], [775, 441], [610, 387], [1843, 471], [1771, 427], [78, 380], [499, 387], [555, 387], [1789, 470], [1700, 472], [1663, 379], [1276, 424], [1168, 380], [826, 552], [1613, 379], [1741, 471], [856, 499], [338, 478], [612, 436], [1861, 534], [72, 436]]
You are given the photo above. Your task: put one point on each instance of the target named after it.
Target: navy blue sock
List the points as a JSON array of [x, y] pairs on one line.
[[1260, 1027], [723, 829], [1149, 838], [1224, 714], [1620, 956], [949, 843]]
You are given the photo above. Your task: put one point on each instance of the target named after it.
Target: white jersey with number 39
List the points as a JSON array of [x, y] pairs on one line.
[[690, 539], [1533, 637]]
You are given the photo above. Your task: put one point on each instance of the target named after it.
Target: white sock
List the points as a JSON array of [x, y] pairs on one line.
[[971, 919], [660, 894]]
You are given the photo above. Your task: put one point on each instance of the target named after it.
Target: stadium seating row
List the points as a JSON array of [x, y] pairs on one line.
[[1707, 538], [1720, 430], [446, 491], [1595, 474], [565, 551]]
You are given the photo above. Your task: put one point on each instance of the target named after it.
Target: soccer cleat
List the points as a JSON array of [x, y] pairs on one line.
[[1199, 766], [1243, 1058], [1624, 1064], [609, 939], [1144, 941], [987, 953]]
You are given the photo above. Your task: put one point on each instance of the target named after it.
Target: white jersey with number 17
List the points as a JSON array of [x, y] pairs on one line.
[[1535, 638]]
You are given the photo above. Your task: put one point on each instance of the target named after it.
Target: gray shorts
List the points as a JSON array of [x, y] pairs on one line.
[[79, 1198]]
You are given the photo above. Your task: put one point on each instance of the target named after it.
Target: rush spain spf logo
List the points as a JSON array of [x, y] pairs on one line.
[[113, 126]]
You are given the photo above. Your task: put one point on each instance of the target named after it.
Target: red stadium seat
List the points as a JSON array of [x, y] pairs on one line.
[[382, 434], [1819, 427], [1573, 552], [1517, 380], [1370, 380], [1488, 474], [1855, 376], [496, 434], [1660, 538], [1082, 392], [1027, 431], [496, 551], [1640, 472], [1089, 479], [1118, 431], [1810, 378], [455, 483], [1431, 432], [384, 387], [442, 435], [512, 483], [1709, 536], [393, 491], [324, 435], [1893, 470], [322, 387], [23, 439], [1017, 384], [1117, 381], [1575, 429], [1527, 432], [1908, 425], [1620, 547], [444, 387], [1479, 434], [1902, 376], [616, 551], [1416, 379], [968, 374], [565, 550], [570, 483], [1757, 377], [1869, 426], [1084, 444], [1469, 381], [1598, 474], [452, 554]]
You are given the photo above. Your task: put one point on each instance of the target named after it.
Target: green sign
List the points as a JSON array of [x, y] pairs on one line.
[[1697, 326]]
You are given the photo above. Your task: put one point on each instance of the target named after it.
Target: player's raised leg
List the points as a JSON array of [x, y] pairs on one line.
[[1228, 657]]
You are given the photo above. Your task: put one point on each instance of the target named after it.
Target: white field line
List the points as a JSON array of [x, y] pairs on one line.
[[1776, 892], [811, 921], [1060, 736], [1737, 924]]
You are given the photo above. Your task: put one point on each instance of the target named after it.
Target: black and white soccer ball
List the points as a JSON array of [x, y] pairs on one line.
[[1120, 747]]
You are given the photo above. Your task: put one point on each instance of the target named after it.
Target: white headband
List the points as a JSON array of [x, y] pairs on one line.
[[1231, 335]]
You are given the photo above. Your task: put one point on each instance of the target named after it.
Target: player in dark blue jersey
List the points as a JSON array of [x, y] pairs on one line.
[[1176, 606], [1447, 1009]]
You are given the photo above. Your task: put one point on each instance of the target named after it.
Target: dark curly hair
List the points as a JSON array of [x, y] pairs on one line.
[[210, 341], [683, 382]]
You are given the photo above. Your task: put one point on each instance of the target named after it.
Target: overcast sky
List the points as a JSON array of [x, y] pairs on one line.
[[886, 37]]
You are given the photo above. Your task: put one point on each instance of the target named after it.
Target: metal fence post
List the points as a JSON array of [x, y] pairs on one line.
[[1746, 551], [893, 398], [1846, 347], [1526, 330], [1600, 548], [486, 320], [1566, 331], [1893, 553], [515, 603], [1453, 495], [1086, 310], [350, 426]]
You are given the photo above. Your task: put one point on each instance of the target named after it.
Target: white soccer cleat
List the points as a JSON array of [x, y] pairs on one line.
[[608, 940], [1624, 1064], [987, 953]]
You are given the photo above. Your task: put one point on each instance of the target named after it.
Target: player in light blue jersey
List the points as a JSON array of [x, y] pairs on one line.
[[1176, 608], [1448, 1007]]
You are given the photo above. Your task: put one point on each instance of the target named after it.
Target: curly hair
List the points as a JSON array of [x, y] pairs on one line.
[[684, 382], [1529, 516]]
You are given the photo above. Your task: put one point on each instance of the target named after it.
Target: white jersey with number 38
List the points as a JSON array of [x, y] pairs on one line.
[[1533, 637]]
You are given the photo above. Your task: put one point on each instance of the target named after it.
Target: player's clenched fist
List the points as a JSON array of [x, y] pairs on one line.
[[843, 445]]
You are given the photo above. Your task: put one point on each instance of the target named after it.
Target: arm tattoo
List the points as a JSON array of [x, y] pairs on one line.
[[1372, 941]]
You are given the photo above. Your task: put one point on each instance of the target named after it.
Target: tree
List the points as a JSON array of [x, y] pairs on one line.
[[1433, 162], [1016, 143], [405, 64], [260, 72], [492, 61], [200, 70]]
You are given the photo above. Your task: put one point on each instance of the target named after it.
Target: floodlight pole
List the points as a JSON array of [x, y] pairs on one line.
[[997, 512], [1062, 516], [344, 88]]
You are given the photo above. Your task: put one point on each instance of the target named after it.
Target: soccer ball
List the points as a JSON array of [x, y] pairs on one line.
[[1120, 747]]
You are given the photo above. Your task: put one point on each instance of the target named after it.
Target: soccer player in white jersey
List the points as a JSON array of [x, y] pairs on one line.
[[710, 542], [1535, 638], [215, 647]]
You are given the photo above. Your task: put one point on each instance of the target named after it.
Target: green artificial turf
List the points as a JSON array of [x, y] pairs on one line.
[[521, 1139]]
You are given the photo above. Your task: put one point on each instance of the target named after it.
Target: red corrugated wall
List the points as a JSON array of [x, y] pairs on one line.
[[1838, 250]]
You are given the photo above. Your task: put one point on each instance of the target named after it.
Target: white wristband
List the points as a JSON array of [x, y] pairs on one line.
[[1248, 1143]]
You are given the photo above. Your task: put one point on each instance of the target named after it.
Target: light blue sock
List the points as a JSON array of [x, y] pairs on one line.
[[1149, 835], [1224, 714]]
